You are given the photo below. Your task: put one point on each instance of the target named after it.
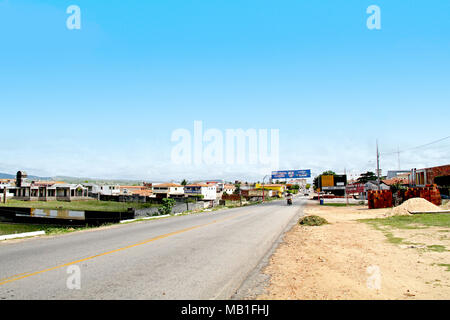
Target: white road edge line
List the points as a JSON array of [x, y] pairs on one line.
[[21, 235], [146, 218]]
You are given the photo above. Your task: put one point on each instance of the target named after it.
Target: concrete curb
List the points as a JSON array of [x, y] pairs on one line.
[[145, 218], [21, 235]]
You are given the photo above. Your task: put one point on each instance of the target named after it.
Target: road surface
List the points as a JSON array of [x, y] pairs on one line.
[[199, 256]]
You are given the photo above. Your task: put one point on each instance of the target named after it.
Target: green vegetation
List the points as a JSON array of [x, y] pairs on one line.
[[94, 205], [167, 206], [416, 221], [11, 228], [238, 188], [395, 240], [312, 221], [437, 248], [445, 265], [368, 176], [340, 204]]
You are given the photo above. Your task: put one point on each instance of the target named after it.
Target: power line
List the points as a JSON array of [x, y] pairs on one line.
[[417, 147]]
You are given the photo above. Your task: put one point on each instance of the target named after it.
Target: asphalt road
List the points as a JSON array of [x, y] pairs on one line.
[[199, 256]]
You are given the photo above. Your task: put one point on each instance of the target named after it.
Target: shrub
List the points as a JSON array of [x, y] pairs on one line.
[[167, 205], [312, 221]]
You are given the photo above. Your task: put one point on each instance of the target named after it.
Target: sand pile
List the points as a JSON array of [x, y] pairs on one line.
[[446, 206], [414, 204]]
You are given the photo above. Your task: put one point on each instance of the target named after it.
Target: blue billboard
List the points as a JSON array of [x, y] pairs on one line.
[[291, 174]]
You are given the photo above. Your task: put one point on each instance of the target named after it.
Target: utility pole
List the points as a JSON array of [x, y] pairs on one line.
[[263, 187], [345, 190], [398, 157], [378, 168]]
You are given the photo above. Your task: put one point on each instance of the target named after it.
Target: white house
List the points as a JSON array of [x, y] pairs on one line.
[[208, 191], [229, 188], [3, 187], [92, 187], [110, 190]]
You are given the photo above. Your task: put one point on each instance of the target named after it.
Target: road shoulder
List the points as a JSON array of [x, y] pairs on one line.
[[340, 260]]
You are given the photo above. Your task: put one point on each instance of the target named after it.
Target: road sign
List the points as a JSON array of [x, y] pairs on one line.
[[290, 174]]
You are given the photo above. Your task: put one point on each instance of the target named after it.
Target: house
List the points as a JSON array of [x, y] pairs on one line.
[[397, 180], [219, 186], [45, 190], [136, 190], [7, 182], [5, 187], [208, 191], [246, 186], [229, 188], [395, 173], [92, 188], [58, 191], [110, 190], [168, 190], [422, 177], [373, 185]]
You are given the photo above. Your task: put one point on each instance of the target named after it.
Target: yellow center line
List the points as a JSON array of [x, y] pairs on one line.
[[30, 274]]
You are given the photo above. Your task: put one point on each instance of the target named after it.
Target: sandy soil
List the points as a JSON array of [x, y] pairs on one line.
[[347, 259]]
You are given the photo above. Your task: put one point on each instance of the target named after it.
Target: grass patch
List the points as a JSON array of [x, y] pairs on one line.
[[83, 205], [312, 221], [445, 265], [341, 204], [437, 248], [416, 221], [395, 240], [12, 228]]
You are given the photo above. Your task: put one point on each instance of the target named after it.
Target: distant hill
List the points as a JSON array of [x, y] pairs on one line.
[[13, 176], [75, 179], [7, 176], [97, 181]]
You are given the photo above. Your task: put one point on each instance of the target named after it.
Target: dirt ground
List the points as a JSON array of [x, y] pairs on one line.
[[348, 259]]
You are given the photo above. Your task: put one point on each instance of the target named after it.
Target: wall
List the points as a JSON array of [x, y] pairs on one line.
[[177, 208]]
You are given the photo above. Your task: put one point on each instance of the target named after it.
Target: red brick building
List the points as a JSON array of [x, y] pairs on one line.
[[427, 175]]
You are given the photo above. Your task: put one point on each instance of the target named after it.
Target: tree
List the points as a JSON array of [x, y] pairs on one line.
[[238, 188], [167, 205], [184, 182], [368, 176]]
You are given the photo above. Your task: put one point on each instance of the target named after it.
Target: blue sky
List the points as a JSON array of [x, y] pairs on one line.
[[103, 101]]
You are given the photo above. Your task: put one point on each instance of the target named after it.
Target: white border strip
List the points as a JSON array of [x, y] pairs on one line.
[[146, 218], [22, 235]]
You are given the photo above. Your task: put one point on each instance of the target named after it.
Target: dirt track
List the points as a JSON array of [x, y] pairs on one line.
[[332, 261]]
